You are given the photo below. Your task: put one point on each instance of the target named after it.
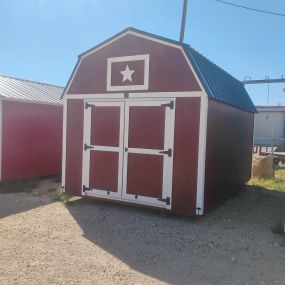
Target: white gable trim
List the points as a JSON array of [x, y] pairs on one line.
[[141, 36]]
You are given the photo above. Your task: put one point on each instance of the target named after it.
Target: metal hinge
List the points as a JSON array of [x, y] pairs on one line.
[[170, 105], [86, 188], [166, 200], [168, 152], [86, 146], [87, 105]]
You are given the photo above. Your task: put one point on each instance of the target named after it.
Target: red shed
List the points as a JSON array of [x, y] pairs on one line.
[[149, 120], [31, 129]]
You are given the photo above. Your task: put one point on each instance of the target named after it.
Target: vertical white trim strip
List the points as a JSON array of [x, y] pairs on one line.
[[1, 137], [202, 155], [86, 153], [64, 127]]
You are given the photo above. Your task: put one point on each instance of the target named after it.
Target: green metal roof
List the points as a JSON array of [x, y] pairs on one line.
[[219, 84]]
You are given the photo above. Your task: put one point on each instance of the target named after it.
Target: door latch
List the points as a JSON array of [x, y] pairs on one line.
[[166, 200], [86, 146], [168, 152], [170, 105], [87, 105]]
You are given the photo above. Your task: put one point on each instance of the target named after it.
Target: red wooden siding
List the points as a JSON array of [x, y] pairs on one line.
[[169, 71], [228, 155], [185, 163], [31, 140], [74, 146], [104, 170], [145, 175], [105, 126], [146, 127]]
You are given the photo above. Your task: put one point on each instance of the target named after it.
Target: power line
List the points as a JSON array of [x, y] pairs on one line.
[[251, 9]]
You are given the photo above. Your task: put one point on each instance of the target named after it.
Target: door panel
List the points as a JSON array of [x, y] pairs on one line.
[[147, 172], [145, 175], [146, 127], [105, 126], [104, 166], [103, 149]]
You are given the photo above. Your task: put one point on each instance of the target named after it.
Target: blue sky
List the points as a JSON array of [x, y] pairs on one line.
[[40, 39]]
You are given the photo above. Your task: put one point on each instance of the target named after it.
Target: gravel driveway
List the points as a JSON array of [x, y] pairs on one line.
[[89, 242]]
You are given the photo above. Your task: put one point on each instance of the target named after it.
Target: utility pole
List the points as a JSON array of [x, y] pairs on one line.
[[183, 21]]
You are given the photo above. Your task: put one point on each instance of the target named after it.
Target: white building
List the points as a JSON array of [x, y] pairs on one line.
[[268, 124]]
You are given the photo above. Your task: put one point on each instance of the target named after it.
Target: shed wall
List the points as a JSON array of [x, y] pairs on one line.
[[228, 151], [185, 158], [31, 140], [74, 146], [185, 164]]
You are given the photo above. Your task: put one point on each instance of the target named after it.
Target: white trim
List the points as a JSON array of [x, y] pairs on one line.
[[1, 137], [145, 151], [146, 201], [202, 155], [31, 101], [83, 56], [134, 34], [143, 86], [105, 96], [86, 153], [166, 94], [139, 95], [194, 72], [64, 126], [106, 148], [167, 161]]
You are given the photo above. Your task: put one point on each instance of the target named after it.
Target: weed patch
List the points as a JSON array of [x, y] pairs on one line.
[[62, 197]]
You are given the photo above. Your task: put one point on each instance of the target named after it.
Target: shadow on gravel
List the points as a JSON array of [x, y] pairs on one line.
[[211, 250], [16, 203]]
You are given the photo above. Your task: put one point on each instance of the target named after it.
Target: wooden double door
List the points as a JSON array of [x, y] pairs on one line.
[[128, 151]]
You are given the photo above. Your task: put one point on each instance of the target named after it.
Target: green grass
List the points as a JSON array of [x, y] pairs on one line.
[[277, 183], [62, 197], [19, 186]]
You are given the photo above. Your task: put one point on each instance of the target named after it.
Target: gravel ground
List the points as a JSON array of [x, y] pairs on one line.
[[90, 242]]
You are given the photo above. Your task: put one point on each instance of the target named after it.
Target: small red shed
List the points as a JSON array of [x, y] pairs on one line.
[[31, 129], [149, 120]]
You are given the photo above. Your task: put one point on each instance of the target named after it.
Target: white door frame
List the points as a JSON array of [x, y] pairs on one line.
[[167, 161], [122, 164], [86, 153]]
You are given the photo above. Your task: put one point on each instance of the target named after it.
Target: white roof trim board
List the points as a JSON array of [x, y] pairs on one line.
[[26, 90]]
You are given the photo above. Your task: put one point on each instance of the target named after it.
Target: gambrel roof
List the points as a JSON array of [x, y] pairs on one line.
[[219, 84]]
